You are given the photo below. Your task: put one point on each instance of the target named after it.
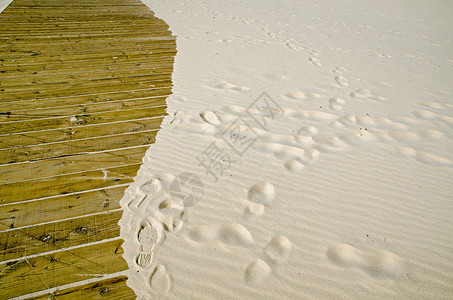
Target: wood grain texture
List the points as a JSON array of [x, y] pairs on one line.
[[83, 87], [25, 276], [112, 288]]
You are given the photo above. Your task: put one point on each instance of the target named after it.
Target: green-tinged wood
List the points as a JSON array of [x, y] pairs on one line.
[[43, 103], [82, 119], [55, 236], [83, 85], [77, 133], [77, 147], [33, 114], [70, 164], [25, 276], [62, 207], [65, 184], [112, 288], [100, 88]]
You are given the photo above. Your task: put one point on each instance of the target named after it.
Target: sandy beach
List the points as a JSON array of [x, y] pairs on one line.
[[307, 154]]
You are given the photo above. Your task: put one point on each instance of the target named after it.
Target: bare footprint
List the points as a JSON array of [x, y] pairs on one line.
[[160, 281], [275, 252], [257, 271], [378, 264], [278, 249], [336, 103], [342, 81], [299, 95], [262, 193], [231, 234], [210, 117], [366, 94], [254, 210], [293, 165], [315, 61]]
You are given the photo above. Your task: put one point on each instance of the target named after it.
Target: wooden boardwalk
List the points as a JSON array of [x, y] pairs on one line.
[[83, 85]]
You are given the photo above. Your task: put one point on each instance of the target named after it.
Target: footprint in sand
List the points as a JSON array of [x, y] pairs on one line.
[[160, 281], [315, 61], [430, 115], [379, 264], [148, 237], [210, 117], [259, 195], [336, 103], [366, 94], [253, 210], [257, 271], [339, 70], [276, 252], [299, 95], [262, 193], [342, 81], [233, 234], [226, 86]]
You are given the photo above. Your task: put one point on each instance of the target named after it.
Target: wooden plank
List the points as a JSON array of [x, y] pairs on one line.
[[81, 109], [44, 69], [83, 99], [70, 46], [63, 84], [112, 288], [73, 68], [70, 164], [55, 236], [83, 76], [83, 90], [77, 133], [62, 207], [39, 56], [25, 276], [67, 122], [80, 81], [77, 147], [64, 184]]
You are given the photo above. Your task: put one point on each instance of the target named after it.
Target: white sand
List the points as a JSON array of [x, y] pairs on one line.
[[4, 4], [343, 189]]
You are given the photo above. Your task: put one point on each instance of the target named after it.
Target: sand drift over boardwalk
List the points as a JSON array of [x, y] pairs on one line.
[[82, 87], [307, 155]]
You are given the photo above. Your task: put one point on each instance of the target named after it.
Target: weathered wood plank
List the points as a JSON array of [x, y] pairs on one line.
[[54, 236], [89, 83], [80, 80], [77, 147], [39, 56], [71, 164], [62, 207], [83, 99], [82, 76], [64, 184], [43, 69], [25, 276], [77, 133], [84, 119], [81, 109], [112, 288], [83, 90]]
